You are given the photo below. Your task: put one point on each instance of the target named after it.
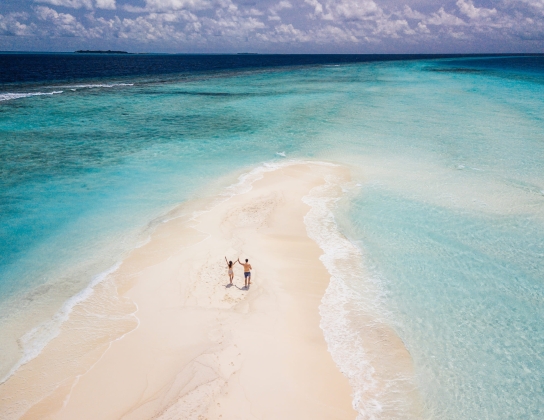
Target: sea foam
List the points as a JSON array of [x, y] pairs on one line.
[[11, 96], [99, 85], [35, 340], [355, 321], [341, 258], [17, 95]]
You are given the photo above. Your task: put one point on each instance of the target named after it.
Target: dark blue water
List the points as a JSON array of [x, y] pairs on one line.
[[68, 67]]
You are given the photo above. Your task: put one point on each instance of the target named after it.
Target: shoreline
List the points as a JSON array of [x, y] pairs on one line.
[[172, 341]]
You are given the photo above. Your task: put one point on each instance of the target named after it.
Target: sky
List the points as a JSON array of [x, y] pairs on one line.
[[274, 26]]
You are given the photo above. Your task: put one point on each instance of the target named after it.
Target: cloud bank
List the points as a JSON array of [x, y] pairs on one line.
[[352, 26]]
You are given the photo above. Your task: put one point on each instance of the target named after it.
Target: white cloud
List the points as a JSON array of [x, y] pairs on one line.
[[391, 28], [458, 35], [334, 34], [468, 9], [11, 25], [232, 26], [412, 14], [167, 5], [149, 30], [105, 4], [352, 9], [64, 24], [537, 4], [228, 23], [254, 12], [277, 8], [318, 10], [281, 5], [443, 18], [288, 33], [74, 4], [422, 28], [344, 10], [79, 4], [166, 27]]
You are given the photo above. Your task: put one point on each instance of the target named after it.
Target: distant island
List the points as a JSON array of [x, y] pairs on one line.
[[101, 52]]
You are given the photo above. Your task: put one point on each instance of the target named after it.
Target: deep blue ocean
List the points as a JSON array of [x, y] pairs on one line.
[[446, 153]]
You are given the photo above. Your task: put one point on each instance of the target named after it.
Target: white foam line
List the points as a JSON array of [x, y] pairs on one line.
[[95, 86], [343, 342], [11, 96], [73, 88], [34, 341]]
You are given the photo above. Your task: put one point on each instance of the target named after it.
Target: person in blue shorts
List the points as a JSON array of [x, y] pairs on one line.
[[247, 272]]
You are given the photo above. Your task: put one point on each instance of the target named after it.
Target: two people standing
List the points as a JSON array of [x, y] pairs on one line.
[[247, 271]]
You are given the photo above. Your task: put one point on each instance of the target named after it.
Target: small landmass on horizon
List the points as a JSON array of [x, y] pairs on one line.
[[101, 52]]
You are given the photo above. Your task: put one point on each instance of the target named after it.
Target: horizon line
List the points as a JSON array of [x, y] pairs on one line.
[[119, 52]]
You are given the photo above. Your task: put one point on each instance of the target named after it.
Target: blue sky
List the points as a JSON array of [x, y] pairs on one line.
[[274, 26]]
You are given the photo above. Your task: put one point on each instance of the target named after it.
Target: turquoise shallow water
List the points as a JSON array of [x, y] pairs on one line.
[[447, 205]]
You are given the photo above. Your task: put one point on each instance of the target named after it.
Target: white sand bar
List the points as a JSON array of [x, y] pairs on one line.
[[194, 348]]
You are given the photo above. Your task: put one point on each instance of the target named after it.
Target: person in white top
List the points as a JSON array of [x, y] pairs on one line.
[[230, 264]]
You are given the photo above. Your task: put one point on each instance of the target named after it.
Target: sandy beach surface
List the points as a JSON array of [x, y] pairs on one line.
[[172, 340]]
